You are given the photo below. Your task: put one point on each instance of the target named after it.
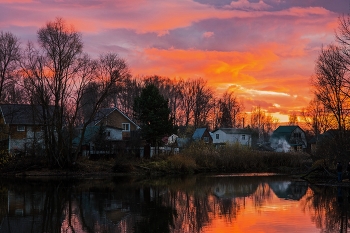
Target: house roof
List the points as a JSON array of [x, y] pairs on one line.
[[22, 114], [104, 112], [234, 131], [286, 128], [198, 133]]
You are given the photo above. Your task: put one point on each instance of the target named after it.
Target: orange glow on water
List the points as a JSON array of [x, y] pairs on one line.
[[276, 215]]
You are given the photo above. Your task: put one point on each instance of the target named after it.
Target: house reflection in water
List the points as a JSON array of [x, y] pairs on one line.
[[282, 189], [292, 190], [233, 190]]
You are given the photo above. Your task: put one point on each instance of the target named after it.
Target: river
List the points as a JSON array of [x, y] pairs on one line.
[[240, 203]]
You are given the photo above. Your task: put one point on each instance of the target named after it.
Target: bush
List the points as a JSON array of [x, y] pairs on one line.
[[170, 164], [183, 164], [4, 157]]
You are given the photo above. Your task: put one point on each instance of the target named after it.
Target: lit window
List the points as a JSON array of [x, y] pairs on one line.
[[217, 136], [21, 128], [126, 127]]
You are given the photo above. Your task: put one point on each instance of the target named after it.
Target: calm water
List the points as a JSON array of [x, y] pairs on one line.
[[235, 203]]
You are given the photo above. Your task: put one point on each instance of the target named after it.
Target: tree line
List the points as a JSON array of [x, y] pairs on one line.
[[71, 87]]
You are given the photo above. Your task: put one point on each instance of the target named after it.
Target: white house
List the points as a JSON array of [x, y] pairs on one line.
[[172, 139], [232, 135]]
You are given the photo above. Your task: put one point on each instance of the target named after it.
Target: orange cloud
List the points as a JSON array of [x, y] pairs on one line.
[[237, 71]]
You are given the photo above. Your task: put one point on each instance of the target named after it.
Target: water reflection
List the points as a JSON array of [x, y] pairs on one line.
[[195, 204]]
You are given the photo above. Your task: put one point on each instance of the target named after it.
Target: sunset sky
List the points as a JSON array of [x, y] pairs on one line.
[[263, 50]]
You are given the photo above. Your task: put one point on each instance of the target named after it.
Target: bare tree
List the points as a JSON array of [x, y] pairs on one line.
[[330, 84], [293, 118], [229, 111], [317, 117], [50, 73], [128, 90], [58, 75], [262, 122], [110, 70], [9, 58], [203, 104], [188, 100]]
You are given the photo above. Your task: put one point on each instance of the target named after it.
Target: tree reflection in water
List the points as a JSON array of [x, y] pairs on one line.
[[164, 205], [330, 207]]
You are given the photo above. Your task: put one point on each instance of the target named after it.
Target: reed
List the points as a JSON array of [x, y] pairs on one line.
[[238, 158]]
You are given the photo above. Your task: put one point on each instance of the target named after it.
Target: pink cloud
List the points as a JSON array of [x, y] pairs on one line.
[[208, 34], [15, 1], [246, 5]]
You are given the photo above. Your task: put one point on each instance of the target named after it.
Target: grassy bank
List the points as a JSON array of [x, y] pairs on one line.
[[197, 158], [234, 158]]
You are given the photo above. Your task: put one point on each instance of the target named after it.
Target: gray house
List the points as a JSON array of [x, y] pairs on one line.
[[288, 138], [21, 127]]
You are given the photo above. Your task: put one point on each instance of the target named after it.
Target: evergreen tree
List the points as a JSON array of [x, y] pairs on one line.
[[153, 113]]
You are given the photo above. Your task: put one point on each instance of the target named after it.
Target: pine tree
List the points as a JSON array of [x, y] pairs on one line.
[[153, 113]]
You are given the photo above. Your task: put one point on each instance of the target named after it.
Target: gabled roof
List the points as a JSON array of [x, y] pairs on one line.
[[198, 133], [105, 112], [286, 129], [234, 131], [22, 114]]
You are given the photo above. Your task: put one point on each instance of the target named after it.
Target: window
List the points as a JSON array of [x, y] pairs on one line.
[[217, 136], [126, 127], [21, 128], [206, 139], [108, 133], [297, 135], [243, 137]]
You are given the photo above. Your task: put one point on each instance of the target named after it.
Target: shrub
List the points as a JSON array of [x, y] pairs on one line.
[[4, 157], [183, 164]]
